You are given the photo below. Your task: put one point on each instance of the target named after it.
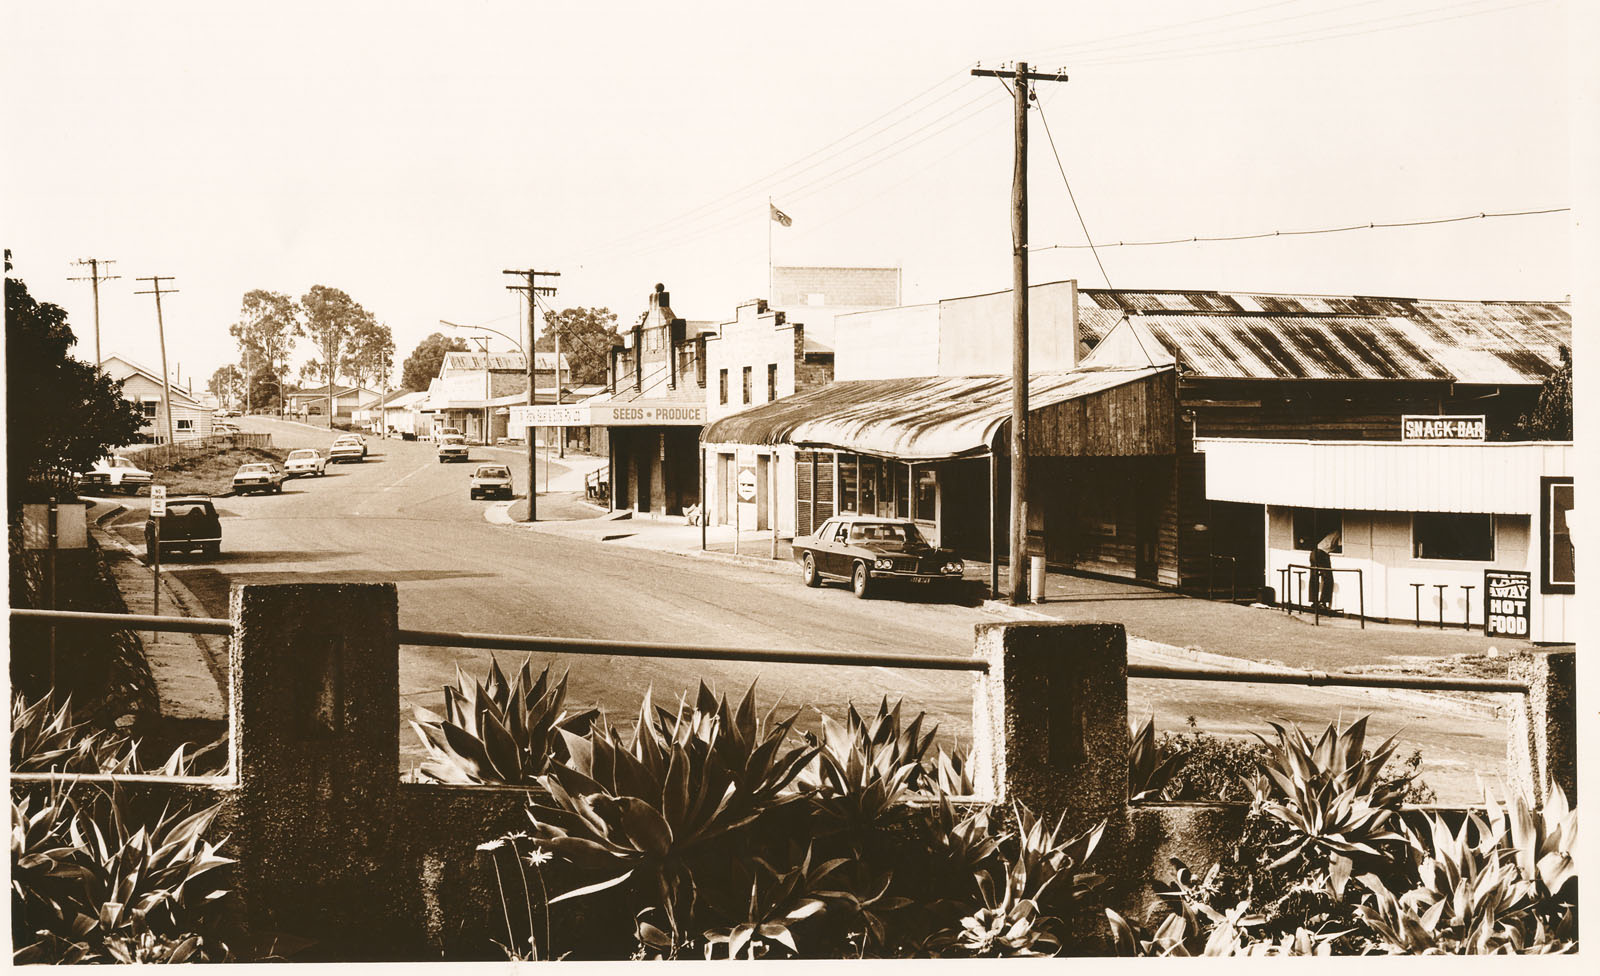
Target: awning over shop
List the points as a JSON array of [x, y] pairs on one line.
[[921, 419]]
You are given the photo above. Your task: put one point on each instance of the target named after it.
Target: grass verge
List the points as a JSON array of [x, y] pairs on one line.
[[210, 472]]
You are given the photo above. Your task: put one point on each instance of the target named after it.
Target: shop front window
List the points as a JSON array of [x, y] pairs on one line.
[[869, 486], [902, 490], [848, 483], [1448, 535], [927, 489]]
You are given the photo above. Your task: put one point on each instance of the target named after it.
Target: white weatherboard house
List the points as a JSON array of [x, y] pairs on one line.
[[191, 419]]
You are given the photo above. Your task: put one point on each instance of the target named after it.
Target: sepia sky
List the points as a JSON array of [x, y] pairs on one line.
[[406, 153]]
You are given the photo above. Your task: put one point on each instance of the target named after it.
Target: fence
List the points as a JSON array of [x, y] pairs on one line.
[[161, 455], [332, 845], [1300, 570]]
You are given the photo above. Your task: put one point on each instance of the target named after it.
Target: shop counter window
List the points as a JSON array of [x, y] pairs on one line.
[[1449, 535], [1312, 525]]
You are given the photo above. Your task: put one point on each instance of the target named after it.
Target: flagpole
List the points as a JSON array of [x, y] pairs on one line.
[[769, 250]]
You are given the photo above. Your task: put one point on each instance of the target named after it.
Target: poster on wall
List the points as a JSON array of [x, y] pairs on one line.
[[1506, 604]]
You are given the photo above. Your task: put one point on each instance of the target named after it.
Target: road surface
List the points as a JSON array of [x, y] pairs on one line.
[[403, 517]]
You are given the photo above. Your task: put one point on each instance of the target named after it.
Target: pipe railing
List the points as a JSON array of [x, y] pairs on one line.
[[1300, 569], [922, 662]]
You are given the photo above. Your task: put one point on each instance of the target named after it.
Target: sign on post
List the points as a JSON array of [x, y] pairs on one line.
[[1507, 610], [747, 484], [158, 501], [71, 529]]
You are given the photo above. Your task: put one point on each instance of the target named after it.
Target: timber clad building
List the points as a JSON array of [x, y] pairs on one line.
[[1197, 440]]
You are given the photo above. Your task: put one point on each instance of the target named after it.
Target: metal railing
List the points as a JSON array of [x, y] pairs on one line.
[[1328, 679], [1316, 608]]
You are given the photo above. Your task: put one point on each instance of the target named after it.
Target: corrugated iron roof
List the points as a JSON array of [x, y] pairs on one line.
[[501, 361], [1240, 335], [920, 419]]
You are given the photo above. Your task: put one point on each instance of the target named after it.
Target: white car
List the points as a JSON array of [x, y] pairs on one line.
[[491, 481], [112, 474], [305, 461], [223, 430], [261, 476], [350, 447], [453, 447]]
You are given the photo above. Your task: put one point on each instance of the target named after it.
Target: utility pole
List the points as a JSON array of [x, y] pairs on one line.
[[534, 290], [96, 277], [161, 328], [1021, 92], [561, 451]]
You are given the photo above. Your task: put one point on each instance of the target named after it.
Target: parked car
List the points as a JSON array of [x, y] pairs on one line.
[[223, 430], [307, 460], [114, 474], [258, 476], [191, 524], [867, 550], [350, 447], [490, 481], [453, 447]]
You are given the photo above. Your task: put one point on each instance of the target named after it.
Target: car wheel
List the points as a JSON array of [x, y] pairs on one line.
[[861, 581], [280, 489], [808, 571]]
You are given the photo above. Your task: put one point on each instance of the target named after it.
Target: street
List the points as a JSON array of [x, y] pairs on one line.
[[402, 517]]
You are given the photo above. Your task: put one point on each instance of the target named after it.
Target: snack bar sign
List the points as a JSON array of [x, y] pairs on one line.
[[1506, 611], [1424, 428]]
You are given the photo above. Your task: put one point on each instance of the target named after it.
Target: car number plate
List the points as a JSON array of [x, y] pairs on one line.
[[922, 579]]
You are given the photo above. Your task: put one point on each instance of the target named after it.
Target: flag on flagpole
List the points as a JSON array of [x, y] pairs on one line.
[[779, 215]]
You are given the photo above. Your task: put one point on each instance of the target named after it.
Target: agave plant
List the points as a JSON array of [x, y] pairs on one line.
[[1006, 925], [759, 907], [1182, 933], [1542, 843], [866, 769], [645, 808], [46, 739], [90, 884], [1330, 794], [1044, 857], [1148, 772], [502, 731]]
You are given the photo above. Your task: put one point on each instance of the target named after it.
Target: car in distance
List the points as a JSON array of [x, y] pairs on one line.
[[440, 433], [191, 523], [490, 481], [258, 476], [866, 551], [307, 460], [223, 430], [350, 447], [453, 447], [114, 474]]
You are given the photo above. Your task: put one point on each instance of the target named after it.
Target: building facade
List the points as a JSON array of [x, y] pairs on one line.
[[191, 419]]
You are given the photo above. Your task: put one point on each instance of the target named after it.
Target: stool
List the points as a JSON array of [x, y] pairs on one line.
[[1299, 588], [1283, 590], [1441, 588], [1416, 591], [1467, 624]]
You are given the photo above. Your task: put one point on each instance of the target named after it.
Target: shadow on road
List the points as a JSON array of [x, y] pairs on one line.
[[211, 586]]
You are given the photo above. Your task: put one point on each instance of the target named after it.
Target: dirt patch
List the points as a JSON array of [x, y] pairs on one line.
[[210, 472]]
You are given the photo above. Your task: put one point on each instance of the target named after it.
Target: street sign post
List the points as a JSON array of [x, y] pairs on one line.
[[158, 511], [51, 528]]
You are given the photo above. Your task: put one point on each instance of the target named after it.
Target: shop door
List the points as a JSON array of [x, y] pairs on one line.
[[1147, 536], [763, 476]]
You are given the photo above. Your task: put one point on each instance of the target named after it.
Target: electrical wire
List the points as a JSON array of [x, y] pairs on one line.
[[1373, 225]]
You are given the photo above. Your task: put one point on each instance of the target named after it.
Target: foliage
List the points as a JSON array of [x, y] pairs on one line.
[[499, 732], [1208, 767], [587, 335], [46, 739], [269, 323], [333, 320], [757, 926], [867, 768], [1149, 771], [62, 414], [422, 366], [1552, 415], [99, 882], [227, 385], [368, 355]]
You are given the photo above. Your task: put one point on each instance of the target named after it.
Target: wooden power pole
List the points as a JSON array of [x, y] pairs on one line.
[[534, 290], [95, 277], [1021, 92], [161, 329]]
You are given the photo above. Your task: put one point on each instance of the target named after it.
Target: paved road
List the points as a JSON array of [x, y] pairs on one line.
[[403, 517]]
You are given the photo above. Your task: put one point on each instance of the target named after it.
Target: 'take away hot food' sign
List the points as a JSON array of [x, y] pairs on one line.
[[1506, 604], [1425, 428]]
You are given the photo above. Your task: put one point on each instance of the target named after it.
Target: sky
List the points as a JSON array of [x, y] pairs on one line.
[[407, 153]]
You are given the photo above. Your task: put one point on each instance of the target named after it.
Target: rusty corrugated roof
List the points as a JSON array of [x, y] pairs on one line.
[[1242, 335], [926, 418]]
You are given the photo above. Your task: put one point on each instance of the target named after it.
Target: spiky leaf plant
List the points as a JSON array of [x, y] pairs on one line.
[[1148, 772]]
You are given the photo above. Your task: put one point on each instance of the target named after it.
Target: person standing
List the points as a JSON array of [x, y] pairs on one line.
[[1321, 578]]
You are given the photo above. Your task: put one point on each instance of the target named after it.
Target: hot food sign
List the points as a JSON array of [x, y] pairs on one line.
[[1506, 597]]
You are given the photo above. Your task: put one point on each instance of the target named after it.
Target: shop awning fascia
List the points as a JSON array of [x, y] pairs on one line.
[[931, 418]]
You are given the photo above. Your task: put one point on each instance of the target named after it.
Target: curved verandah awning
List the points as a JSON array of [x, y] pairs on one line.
[[930, 418]]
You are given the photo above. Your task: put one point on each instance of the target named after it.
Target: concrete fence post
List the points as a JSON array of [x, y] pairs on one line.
[[315, 708], [1051, 720], [1541, 742]]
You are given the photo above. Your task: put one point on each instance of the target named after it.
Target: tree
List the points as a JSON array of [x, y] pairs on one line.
[[1552, 415], [269, 322], [61, 413], [332, 319], [587, 335], [422, 366], [371, 350], [227, 384], [266, 391]]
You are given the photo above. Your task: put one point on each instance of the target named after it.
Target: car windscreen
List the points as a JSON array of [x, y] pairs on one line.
[[191, 510], [493, 473], [302, 455], [255, 469], [900, 533]]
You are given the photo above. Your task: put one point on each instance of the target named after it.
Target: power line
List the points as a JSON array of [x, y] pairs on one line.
[[1071, 196], [96, 277], [1372, 225], [1081, 48]]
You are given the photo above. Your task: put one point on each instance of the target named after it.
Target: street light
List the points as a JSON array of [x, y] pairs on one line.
[[486, 390], [485, 328]]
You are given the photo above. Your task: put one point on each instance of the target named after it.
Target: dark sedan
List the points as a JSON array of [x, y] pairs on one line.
[[867, 550], [191, 523]]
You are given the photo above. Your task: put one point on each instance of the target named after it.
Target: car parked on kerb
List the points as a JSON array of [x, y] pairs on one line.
[[191, 524], [258, 476], [306, 461], [350, 447], [453, 447], [111, 474], [491, 481], [868, 551]]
